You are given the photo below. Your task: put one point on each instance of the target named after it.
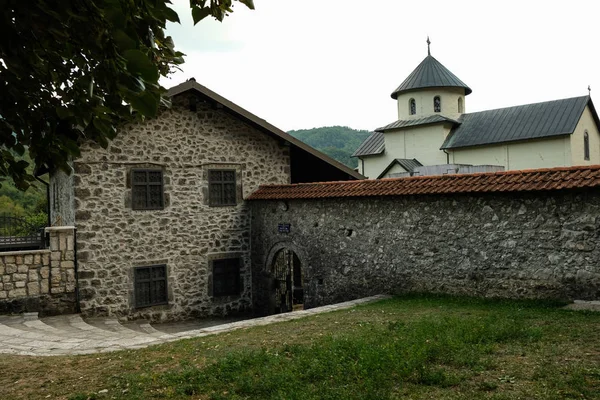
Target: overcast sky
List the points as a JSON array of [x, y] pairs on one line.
[[311, 63]]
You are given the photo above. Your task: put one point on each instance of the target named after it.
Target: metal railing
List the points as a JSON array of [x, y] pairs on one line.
[[18, 234]]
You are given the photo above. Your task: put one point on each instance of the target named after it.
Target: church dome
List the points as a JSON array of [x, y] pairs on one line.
[[429, 74]]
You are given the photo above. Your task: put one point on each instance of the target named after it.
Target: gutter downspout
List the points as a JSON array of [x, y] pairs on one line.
[[447, 156], [76, 270]]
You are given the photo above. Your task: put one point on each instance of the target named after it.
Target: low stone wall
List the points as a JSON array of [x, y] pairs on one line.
[[518, 245], [40, 280]]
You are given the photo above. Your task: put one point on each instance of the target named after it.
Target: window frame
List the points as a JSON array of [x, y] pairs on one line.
[[147, 184], [237, 268], [137, 281], [412, 107], [212, 183], [586, 146], [439, 99], [460, 105]]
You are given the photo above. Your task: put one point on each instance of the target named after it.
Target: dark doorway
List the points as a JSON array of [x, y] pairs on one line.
[[287, 290]]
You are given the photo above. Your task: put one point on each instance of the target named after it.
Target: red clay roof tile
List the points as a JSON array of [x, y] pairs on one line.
[[508, 181]]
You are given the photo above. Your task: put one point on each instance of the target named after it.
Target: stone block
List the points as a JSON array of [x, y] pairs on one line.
[[70, 287], [19, 260], [55, 256], [1, 269], [9, 286], [67, 265], [70, 241], [62, 241], [53, 241], [23, 268], [57, 289], [37, 259], [33, 276], [44, 287], [70, 275], [20, 284], [6, 278], [45, 272], [9, 259], [10, 268], [28, 259], [1, 286], [19, 277], [33, 289], [3, 294], [21, 292], [46, 259]]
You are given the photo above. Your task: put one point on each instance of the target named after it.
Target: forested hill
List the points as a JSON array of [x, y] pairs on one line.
[[338, 142]]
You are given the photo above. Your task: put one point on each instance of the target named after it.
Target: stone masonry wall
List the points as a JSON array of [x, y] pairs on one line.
[[187, 234], [40, 280], [538, 245]]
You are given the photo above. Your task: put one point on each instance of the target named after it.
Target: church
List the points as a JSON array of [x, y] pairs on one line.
[[434, 133]]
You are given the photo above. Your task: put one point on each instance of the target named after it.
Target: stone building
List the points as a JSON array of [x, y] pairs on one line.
[[163, 229], [434, 128]]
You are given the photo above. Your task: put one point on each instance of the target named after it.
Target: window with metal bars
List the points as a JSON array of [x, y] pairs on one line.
[[147, 189], [226, 277], [222, 188], [586, 146], [150, 286]]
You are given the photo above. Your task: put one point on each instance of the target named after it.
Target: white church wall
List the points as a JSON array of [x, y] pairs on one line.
[[424, 100], [586, 122]]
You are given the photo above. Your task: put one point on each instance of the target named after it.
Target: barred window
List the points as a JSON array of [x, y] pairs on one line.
[[586, 146], [150, 285], [412, 107], [437, 104], [226, 277], [147, 189], [221, 188]]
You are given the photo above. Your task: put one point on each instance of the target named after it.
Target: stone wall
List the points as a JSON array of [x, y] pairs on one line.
[[187, 234], [537, 245], [40, 280]]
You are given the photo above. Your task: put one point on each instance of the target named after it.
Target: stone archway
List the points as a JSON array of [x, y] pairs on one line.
[[286, 277]]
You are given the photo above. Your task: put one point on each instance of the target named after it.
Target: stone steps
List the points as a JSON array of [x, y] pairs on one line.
[[27, 334]]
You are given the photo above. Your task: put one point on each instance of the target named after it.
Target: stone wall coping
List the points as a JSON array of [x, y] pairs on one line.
[[24, 252], [59, 228]]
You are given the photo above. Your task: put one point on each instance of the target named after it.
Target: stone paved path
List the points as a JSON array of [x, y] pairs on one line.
[[25, 334]]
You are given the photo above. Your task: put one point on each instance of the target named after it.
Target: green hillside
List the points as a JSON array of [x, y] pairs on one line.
[[338, 142]]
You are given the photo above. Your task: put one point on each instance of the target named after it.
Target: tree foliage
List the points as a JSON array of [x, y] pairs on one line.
[[72, 70], [338, 142]]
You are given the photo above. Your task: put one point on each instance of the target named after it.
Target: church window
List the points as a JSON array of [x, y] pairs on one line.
[[437, 104], [412, 107], [460, 105], [226, 277], [586, 146]]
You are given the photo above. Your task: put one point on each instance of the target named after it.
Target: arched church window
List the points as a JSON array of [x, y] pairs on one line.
[[437, 104], [412, 107], [460, 105], [586, 146]]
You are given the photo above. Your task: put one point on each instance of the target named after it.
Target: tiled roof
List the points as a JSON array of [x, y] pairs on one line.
[[434, 119], [530, 121], [508, 181], [430, 73], [372, 145]]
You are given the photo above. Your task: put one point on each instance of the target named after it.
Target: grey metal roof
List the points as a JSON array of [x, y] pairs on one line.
[[408, 164], [434, 119], [530, 121], [372, 145], [430, 73]]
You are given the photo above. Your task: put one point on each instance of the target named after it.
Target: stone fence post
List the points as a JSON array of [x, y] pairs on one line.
[[62, 259]]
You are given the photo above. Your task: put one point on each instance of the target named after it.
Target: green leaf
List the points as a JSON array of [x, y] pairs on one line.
[[145, 104], [248, 3], [123, 41], [63, 112], [139, 64], [171, 15], [72, 147], [198, 14], [103, 126]]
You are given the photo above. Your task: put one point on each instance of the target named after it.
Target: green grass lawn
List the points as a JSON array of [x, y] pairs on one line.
[[413, 347]]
